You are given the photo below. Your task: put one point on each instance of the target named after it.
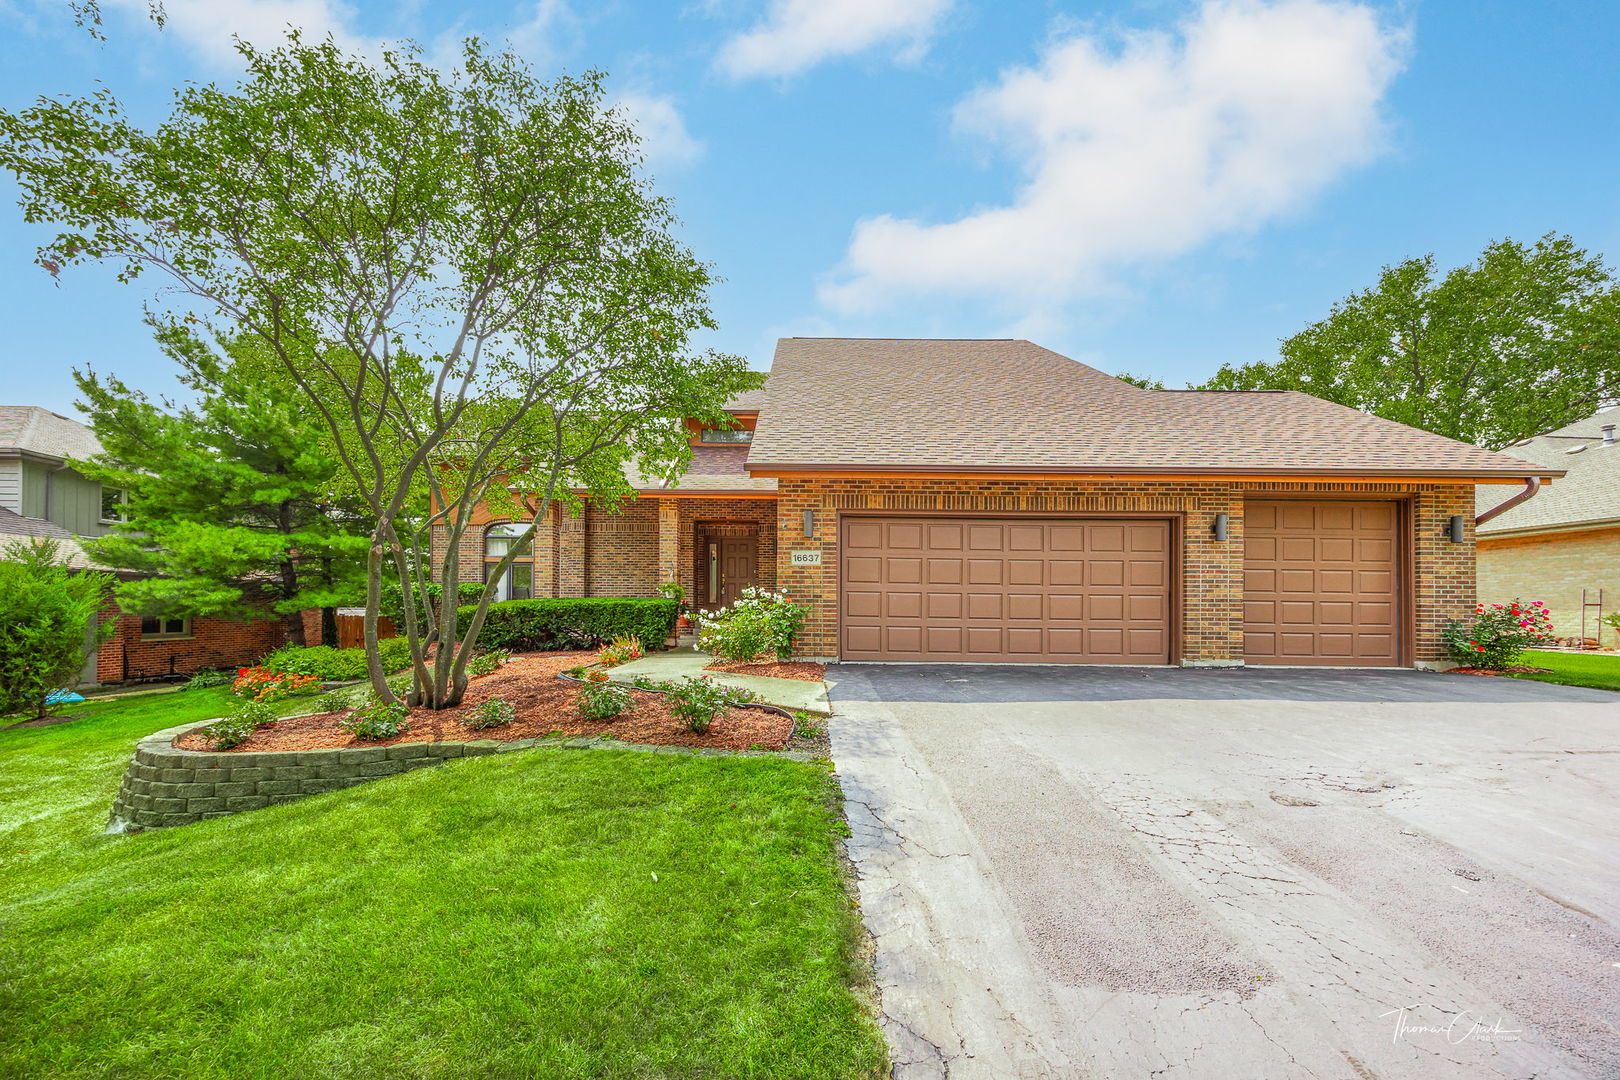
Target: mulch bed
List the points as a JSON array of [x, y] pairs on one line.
[[804, 670], [545, 706], [1511, 669]]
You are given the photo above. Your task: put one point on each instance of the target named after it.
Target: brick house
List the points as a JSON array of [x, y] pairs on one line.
[[993, 501], [43, 497], [1564, 546]]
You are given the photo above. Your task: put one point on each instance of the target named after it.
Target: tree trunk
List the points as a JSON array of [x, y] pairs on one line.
[[329, 633], [295, 628]]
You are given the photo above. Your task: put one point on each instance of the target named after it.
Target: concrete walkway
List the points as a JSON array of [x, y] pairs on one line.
[[1195, 875], [684, 661]]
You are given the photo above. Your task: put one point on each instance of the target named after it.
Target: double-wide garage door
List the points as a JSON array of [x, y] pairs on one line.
[[1049, 591]]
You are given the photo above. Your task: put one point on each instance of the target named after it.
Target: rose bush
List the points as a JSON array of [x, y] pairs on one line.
[[1498, 634]]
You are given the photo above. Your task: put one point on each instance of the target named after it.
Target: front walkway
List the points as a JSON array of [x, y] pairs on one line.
[[686, 661], [1193, 874]]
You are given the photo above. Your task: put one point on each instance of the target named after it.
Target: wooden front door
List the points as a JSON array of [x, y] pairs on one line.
[[737, 568]]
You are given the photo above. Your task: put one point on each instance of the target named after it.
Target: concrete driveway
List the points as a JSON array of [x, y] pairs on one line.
[[1132, 873]]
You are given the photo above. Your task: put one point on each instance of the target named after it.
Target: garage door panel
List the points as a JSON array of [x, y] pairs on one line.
[[1024, 590], [1320, 582]]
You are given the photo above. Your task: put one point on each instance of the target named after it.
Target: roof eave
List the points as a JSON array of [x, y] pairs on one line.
[[1461, 476]]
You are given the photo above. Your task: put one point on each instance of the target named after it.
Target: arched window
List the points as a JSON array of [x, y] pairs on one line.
[[518, 581]]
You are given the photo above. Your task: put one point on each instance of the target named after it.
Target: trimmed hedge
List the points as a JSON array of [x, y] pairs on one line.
[[393, 606], [534, 625], [325, 662]]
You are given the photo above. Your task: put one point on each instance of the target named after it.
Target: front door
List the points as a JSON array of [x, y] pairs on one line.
[[736, 568]]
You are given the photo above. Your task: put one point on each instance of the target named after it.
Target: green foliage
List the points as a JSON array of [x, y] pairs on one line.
[[621, 650], [675, 591], [207, 680], [48, 614], [488, 662], [340, 700], [538, 625], [760, 623], [231, 503], [697, 701], [426, 600], [337, 665], [462, 272], [806, 725], [246, 717], [1498, 633], [1146, 382], [378, 720], [489, 713], [603, 700], [1523, 340]]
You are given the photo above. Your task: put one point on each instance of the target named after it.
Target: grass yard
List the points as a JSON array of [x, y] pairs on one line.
[[548, 913], [1598, 670]]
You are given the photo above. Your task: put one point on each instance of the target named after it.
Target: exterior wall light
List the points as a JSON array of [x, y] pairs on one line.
[[1454, 528], [1223, 526], [809, 523]]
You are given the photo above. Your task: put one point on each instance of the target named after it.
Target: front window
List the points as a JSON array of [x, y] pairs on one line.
[[158, 628], [727, 435], [114, 505], [517, 583]]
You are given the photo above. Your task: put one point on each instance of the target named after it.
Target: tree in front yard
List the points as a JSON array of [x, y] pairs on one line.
[[232, 505], [49, 620], [1524, 339], [463, 274]]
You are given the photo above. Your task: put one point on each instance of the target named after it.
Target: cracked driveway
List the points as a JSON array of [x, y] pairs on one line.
[[1110, 872]]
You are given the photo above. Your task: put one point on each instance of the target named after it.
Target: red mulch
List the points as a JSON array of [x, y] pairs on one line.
[[805, 670], [1511, 669], [545, 706]]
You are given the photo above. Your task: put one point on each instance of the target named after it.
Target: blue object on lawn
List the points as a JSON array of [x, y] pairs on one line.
[[62, 697]]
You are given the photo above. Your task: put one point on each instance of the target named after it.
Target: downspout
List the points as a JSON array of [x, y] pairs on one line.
[[1531, 486]]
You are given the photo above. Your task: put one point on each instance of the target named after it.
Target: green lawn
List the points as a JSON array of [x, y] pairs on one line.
[[547, 913], [1598, 670]]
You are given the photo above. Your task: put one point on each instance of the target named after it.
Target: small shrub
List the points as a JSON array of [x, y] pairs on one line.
[[245, 718], [262, 684], [488, 662], [48, 621], [491, 713], [602, 700], [805, 725], [207, 680], [696, 702], [571, 623], [337, 665], [761, 623], [335, 701], [1498, 633], [378, 720], [621, 650]]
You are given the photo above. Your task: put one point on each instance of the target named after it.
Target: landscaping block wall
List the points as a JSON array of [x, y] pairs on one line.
[[1210, 579], [166, 786]]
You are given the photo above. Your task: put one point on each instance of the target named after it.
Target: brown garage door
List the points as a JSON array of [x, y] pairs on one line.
[[1320, 583], [1006, 591]]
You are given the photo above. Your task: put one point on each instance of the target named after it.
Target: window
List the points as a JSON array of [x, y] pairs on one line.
[[726, 435], [518, 581], [158, 628], [114, 505]]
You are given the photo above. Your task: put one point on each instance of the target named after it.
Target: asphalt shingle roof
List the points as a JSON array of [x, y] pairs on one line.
[[34, 430], [975, 405], [1588, 495], [14, 527]]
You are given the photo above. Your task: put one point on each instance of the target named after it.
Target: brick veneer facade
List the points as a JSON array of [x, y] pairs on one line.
[[213, 643], [1210, 578], [1554, 568]]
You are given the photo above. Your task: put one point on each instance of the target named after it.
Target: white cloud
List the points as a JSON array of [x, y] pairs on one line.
[[207, 26], [1143, 151], [664, 138], [798, 34]]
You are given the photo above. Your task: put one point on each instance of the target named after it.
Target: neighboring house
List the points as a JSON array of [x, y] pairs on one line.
[[993, 501], [42, 497], [1566, 540]]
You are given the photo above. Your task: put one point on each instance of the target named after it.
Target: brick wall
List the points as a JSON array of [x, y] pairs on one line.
[[1554, 568], [1211, 580], [214, 643], [622, 550]]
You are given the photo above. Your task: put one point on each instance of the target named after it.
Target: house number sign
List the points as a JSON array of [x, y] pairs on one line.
[[805, 558]]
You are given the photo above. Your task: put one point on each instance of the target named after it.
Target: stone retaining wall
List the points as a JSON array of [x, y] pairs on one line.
[[165, 785]]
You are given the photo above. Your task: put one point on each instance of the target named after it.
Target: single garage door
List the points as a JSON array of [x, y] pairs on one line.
[[1320, 583], [1005, 591]]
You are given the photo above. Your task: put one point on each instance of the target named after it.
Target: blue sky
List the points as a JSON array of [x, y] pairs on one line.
[[1157, 186]]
